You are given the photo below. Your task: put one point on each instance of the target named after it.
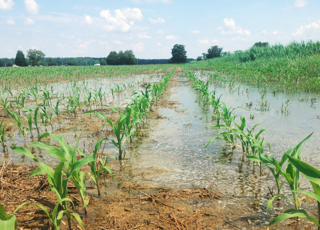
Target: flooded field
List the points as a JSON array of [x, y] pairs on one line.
[[169, 152]]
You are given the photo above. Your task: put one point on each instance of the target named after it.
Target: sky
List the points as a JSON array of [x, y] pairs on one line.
[[83, 28]]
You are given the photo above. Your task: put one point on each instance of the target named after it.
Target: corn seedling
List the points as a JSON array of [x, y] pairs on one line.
[[67, 169], [3, 133], [291, 174], [117, 128], [95, 173], [9, 222]]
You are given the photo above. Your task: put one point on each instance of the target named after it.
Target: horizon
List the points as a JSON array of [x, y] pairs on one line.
[[151, 27]]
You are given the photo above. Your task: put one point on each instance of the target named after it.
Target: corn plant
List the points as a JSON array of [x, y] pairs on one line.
[[23, 129], [291, 174], [46, 116], [34, 114], [9, 222], [3, 133], [6, 104], [67, 169], [117, 128], [56, 109], [95, 173]]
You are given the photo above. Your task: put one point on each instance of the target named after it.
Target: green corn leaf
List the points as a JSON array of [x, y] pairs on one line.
[[3, 214], [58, 177], [78, 164], [311, 173], [52, 150], [293, 213], [23, 151], [269, 204]]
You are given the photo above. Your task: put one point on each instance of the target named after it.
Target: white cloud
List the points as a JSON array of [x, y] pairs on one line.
[[203, 41], [171, 37], [10, 22], [138, 47], [117, 42], [195, 31], [89, 19], [31, 6], [266, 33], [143, 36], [157, 20], [300, 3], [122, 20], [314, 26], [232, 28], [133, 14], [6, 4], [215, 40], [85, 44], [159, 44], [34, 47], [29, 21]]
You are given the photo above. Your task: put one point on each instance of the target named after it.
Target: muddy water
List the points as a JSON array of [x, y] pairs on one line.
[[171, 151]]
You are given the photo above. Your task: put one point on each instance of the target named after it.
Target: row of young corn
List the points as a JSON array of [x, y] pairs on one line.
[[131, 119], [29, 76], [38, 106], [287, 170]]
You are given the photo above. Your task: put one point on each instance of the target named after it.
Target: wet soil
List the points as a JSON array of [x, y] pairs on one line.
[[130, 204]]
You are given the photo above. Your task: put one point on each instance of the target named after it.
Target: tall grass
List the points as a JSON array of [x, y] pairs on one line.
[[295, 66]]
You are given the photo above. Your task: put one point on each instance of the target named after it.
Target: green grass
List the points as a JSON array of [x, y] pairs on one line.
[[288, 68]]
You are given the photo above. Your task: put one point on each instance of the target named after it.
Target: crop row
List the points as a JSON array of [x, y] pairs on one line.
[[287, 170], [131, 119]]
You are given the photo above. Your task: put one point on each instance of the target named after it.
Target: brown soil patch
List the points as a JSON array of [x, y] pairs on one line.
[[158, 71], [134, 207], [178, 70]]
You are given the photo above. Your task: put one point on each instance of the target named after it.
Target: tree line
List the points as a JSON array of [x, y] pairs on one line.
[[38, 58]]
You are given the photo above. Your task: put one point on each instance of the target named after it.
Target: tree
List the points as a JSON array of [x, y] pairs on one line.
[[35, 56], [179, 55], [72, 62], [20, 60], [52, 62], [214, 52], [96, 62], [130, 59], [261, 44], [199, 58], [112, 58], [9, 63], [0, 63], [103, 62]]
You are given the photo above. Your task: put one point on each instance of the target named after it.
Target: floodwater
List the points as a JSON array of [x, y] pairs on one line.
[[172, 152]]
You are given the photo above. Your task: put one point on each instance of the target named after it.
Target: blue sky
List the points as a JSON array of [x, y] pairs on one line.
[[78, 28]]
